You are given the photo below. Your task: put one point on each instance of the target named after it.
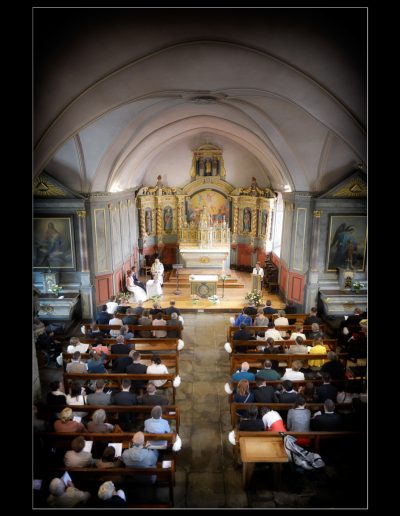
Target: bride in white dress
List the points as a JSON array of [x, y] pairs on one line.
[[153, 287], [138, 292]]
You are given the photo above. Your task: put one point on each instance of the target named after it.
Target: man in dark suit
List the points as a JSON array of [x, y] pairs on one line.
[[268, 309], [264, 393], [120, 348], [152, 397], [172, 308], [130, 318], [312, 318], [290, 309], [136, 279], [137, 368], [125, 397], [242, 334], [103, 317], [328, 421]]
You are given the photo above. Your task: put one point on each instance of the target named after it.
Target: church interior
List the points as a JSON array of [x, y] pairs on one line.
[[213, 160]]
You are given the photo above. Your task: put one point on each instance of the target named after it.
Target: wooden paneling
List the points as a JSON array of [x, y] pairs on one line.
[[119, 279], [244, 254], [284, 272], [275, 260], [296, 287], [103, 288]]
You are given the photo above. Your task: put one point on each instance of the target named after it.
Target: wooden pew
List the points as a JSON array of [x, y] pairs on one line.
[[82, 477], [169, 412], [262, 329], [257, 360], [115, 379], [136, 327], [330, 344], [141, 344], [171, 361]]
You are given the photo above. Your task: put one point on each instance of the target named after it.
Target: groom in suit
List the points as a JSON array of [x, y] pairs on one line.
[[136, 279]]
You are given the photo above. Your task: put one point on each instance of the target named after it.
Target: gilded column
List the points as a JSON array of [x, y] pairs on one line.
[[158, 221], [142, 222], [253, 222], [269, 221], [179, 214], [83, 248], [315, 240], [235, 215]]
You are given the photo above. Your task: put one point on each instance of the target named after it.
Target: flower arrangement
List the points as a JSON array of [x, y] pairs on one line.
[[214, 299], [55, 289], [156, 299], [347, 282], [357, 286], [123, 297], [195, 298], [223, 277], [255, 296]]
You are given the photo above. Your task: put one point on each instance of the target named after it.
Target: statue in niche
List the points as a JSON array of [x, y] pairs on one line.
[[208, 167], [168, 218], [246, 219], [147, 221]]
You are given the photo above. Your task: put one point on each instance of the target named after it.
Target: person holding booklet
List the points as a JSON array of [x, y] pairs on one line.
[[77, 457], [64, 494]]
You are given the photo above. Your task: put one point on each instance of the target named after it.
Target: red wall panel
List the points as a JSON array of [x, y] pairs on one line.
[[244, 254], [103, 288], [119, 278], [296, 287], [169, 254], [283, 277]]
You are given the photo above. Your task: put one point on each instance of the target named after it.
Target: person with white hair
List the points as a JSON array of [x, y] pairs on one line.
[[243, 374], [65, 495], [110, 497], [157, 425], [138, 456], [174, 321]]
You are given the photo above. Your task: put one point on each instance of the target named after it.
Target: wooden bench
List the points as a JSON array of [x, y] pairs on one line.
[[171, 361], [82, 477], [141, 344], [136, 327], [115, 379], [257, 360], [262, 329], [169, 412], [330, 344]]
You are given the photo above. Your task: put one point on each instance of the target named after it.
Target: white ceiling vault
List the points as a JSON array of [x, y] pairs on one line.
[[123, 95]]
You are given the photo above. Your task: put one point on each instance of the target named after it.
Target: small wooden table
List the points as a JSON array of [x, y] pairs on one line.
[[262, 449]]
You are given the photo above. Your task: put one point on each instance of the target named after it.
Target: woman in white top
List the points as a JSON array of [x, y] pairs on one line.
[[138, 292], [158, 268], [153, 286], [157, 367], [111, 305], [294, 372], [76, 397], [258, 270]]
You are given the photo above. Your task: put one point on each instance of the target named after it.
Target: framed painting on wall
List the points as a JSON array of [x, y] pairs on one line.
[[347, 242], [53, 243]]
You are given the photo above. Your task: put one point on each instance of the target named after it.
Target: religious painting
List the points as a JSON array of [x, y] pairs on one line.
[[148, 223], [216, 204], [347, 243], [53, 244], [263, 224], [246, 220], [168, 218]]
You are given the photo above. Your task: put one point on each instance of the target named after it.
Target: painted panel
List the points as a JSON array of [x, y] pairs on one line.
[[283, 278], [125, 230], [53, 244], [103, 289], [101, 243], [244, 254], [347, 243], [299, 238], [296, 287], [116, 237], [118, 280], [217, 205]]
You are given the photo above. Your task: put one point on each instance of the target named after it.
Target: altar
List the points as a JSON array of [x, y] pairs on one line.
[[210, 258], [342, 302], [203, 285]]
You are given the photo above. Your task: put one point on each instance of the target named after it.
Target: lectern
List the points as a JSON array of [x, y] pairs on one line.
[[256, 283], [177, 266]]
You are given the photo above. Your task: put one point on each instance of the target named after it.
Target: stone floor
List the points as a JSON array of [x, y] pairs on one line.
[[206, 476]]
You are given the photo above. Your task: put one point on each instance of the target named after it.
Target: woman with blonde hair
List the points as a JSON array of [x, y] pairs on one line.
[[66, 423]]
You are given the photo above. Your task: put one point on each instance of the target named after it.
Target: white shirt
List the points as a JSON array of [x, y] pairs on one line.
[[157, 369], [79, 347], [115, 321], [111, 307], [260, 272], [292, 375]]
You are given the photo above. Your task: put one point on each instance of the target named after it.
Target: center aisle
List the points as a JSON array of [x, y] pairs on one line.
[[205, 474]]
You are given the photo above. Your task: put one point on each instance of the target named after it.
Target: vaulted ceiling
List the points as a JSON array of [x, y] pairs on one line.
[[123, 95]]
